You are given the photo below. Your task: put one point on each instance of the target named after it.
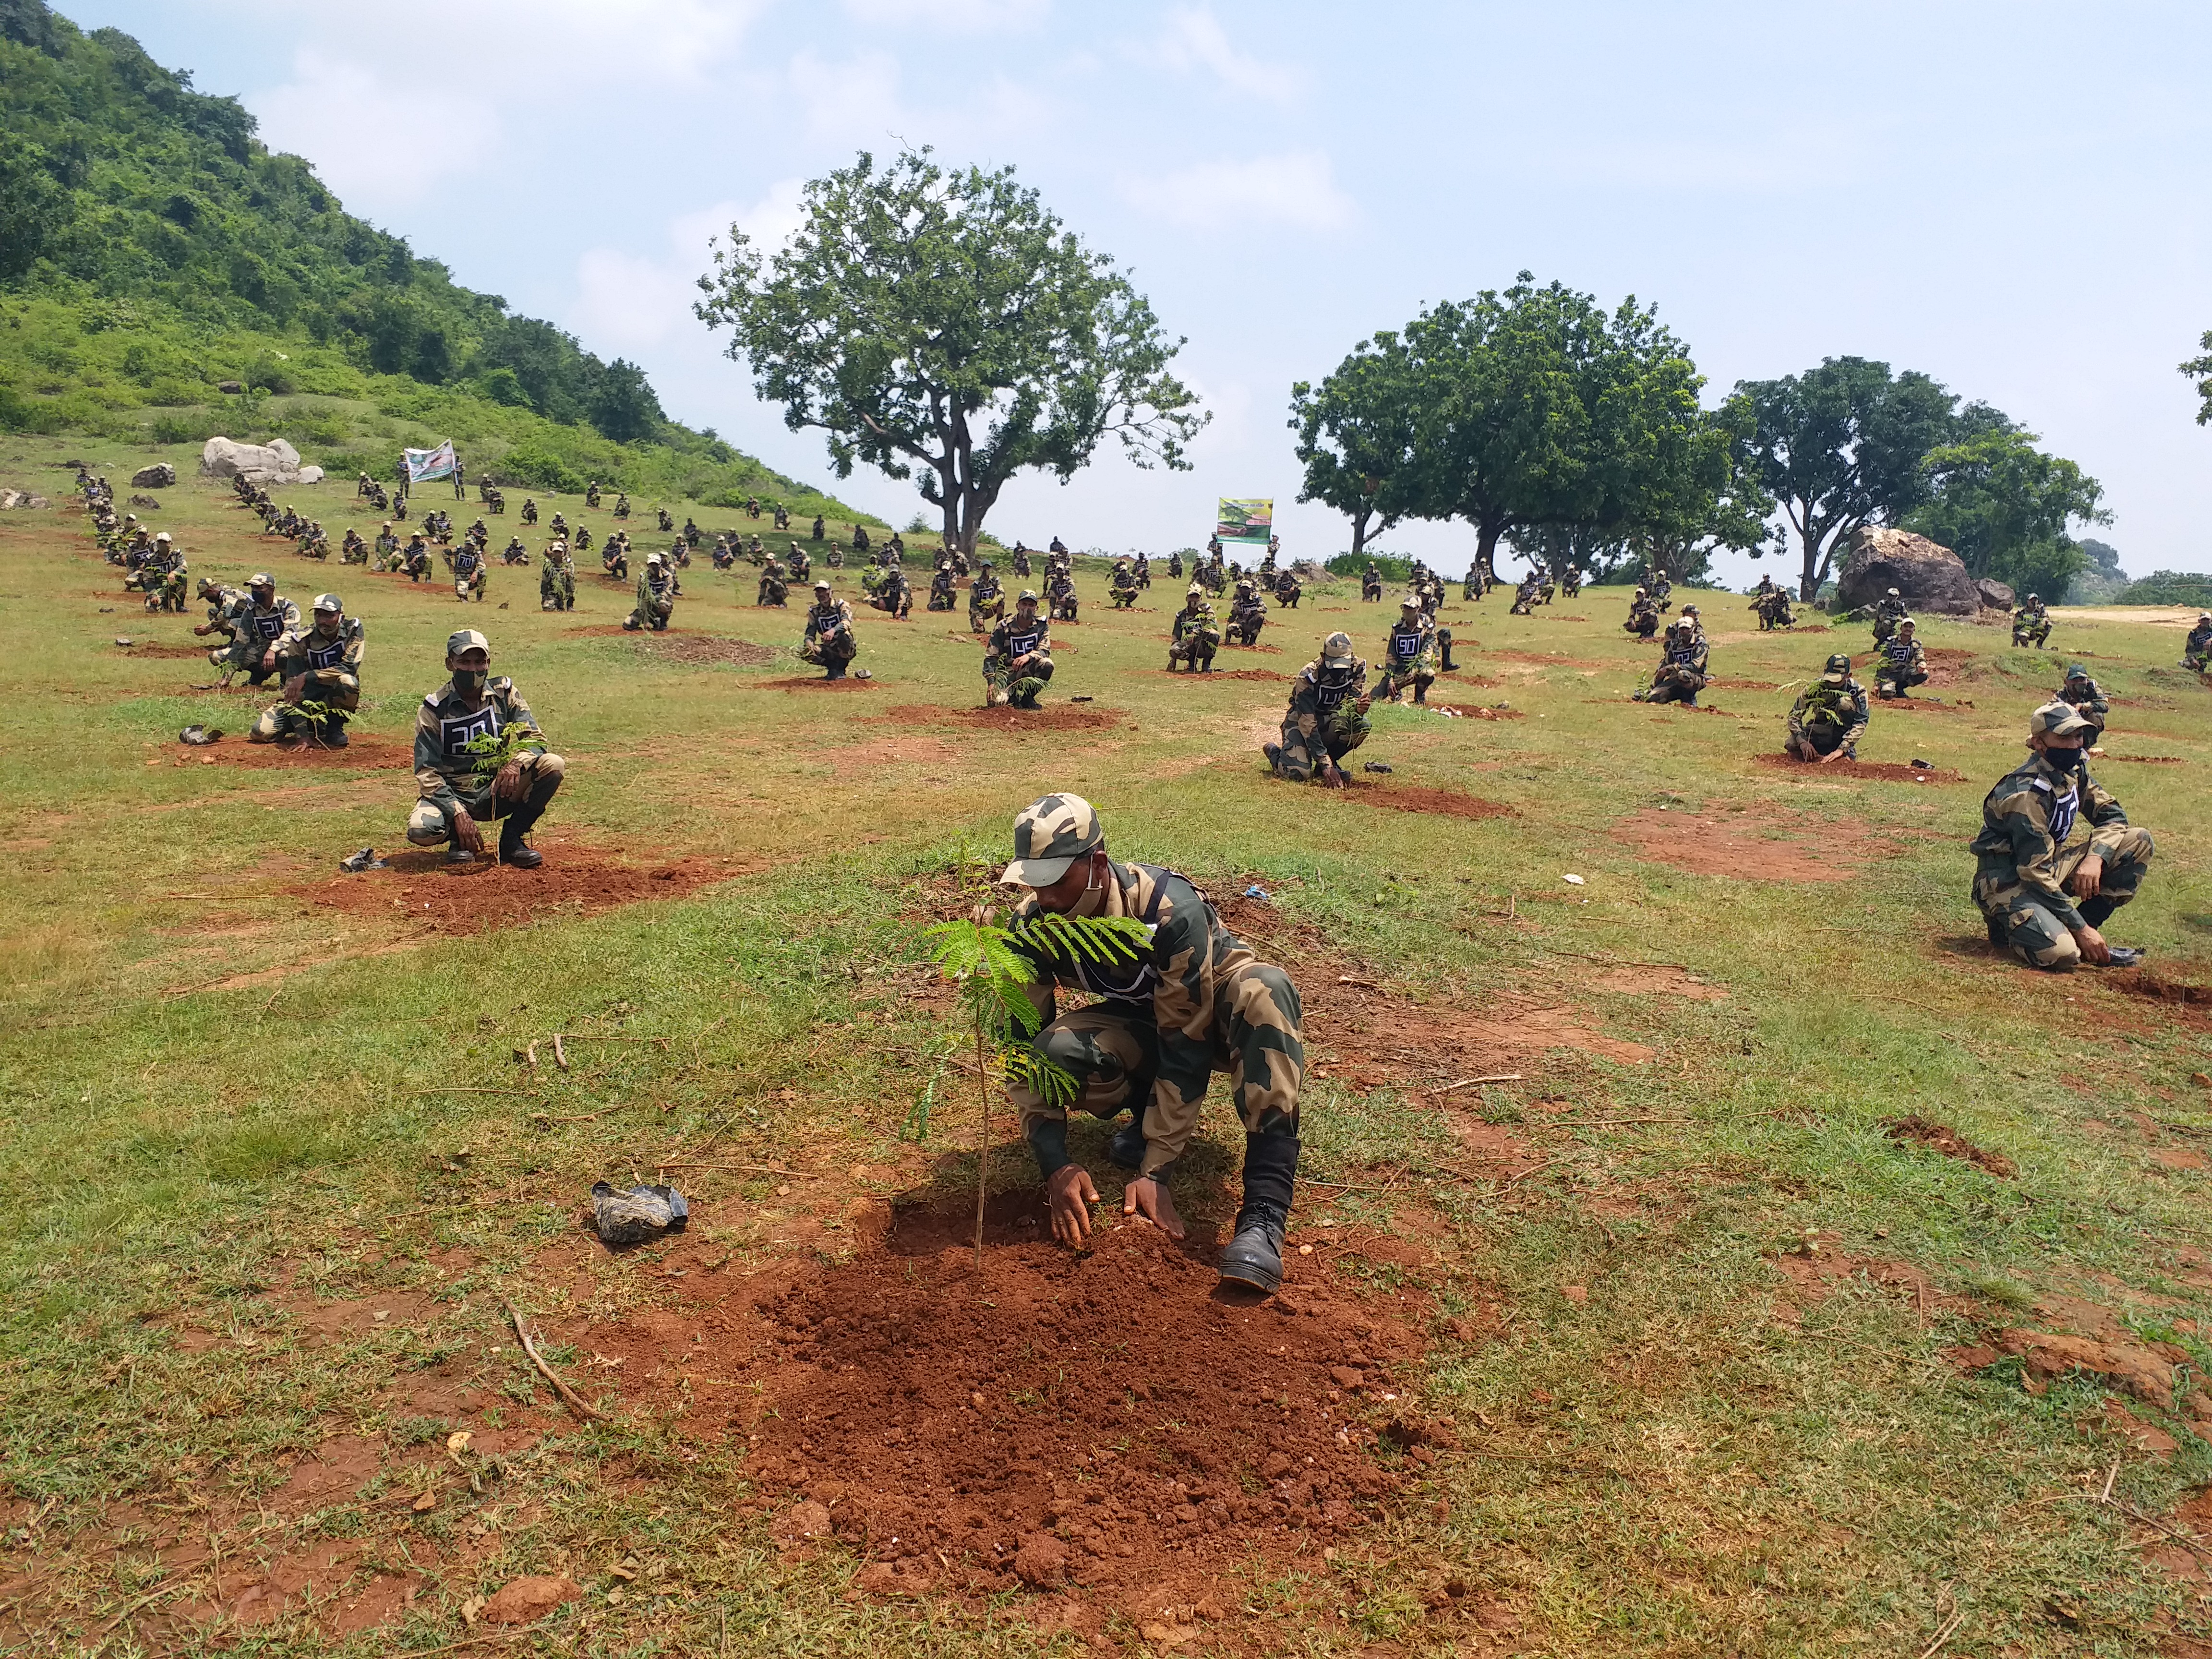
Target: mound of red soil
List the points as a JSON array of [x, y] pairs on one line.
[[1875, 771], [1054, 717], [817, 683], [2142, 982], [423, 890], [1111, 1419], [1918, 1131], [701, 650], [362, 750], [1449, 803], [144, 649], [1714, 847]]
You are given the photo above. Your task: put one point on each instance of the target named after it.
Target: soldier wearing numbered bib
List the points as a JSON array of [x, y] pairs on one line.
[[1327, 719], [1018, 658], [828, 639], [456, 797], [1409, 654], [1829, 716], [320, 664], [257, 623]]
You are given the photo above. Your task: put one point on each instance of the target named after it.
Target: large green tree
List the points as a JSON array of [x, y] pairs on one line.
[[1840, 447], [2199, 369], [946, 323], [35, 209], [2006, 508], [1355, 436]]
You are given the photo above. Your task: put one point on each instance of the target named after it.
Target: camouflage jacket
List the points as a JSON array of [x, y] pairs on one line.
[[1410, 646], [1321, 689], [2027, 820], [983, 590], [2028, 615], [445, 725], [1831, 707], [655, 598], [824, 618], [1684, 660], [333, 664], [1013, 638], [1199, 621], [222, 609], [2199, 639], [2090, 699], [1123, 580], [253, 629], [1889, 610], [1174, 986], [1899, 653]]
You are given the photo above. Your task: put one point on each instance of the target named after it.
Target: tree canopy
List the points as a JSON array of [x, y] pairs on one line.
[[1356, 438], [943, 322], [2005, 507]]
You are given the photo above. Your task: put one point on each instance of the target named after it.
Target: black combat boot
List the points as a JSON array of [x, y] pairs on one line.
[[1273, 751], [333, 731], [1449, 666], [1126, 1149], [836, 671], [519, 821], [2097, 911], [1255, 1255]]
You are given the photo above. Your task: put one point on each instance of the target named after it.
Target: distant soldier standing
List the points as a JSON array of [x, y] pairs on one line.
[[1195, 1001], [1327, 719], [321, 664], [828, 639], [1017, 657], [455, 798], [2044, 895], [1830, 715]]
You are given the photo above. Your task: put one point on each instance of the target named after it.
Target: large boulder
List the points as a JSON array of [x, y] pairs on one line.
[[276, 462], [311, 475], [1929, 578], [160, 476], [1996, 596]]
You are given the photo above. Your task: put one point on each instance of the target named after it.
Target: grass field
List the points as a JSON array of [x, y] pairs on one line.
[[1689, 1350]]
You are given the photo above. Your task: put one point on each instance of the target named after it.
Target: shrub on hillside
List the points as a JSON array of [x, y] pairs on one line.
[[539, 468], [1393, 567], [2168, 587]]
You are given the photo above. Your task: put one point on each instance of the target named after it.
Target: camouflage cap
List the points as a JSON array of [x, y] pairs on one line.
[[466, 639], [1838, 669], [328, 602], [1193, 590], [1689, 610], [1049, 836], [2033, 598], [1027, 596], [1904, 622], [1337, 647], [2075, 671], [261, 579], [1411, 602], [2057, 720], [822, 586], [162, 536]]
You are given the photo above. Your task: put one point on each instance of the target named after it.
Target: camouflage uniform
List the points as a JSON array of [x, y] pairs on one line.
[[2023, 859], [1902, 666], [1524, 598], [445, 774], [828, 641], [656, 596], [470, 575], [1060, 597], [1829, 715], [1324, 722], [556, 580], [774, 589], [2196, 649], [891, 592], [329, 666], [1642, 616], [165, 577], [1122, 587], [1197, 1001], [1024, 633], [943, 590], [1682, 673], [222, 601], [986, 600], [2030, 623], [1409, 655], [1195, 635], [1889, 610], [2088, 700], [254, 628], [1248, 615]]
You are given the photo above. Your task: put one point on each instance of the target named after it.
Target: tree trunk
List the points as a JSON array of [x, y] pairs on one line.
[[1485, 551], [1360, 530], [1808, 579]]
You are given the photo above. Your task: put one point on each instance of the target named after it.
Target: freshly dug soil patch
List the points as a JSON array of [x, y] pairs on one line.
[[1053, 717], [1880, 771], [1401, 798], [698, 650], [1916, 705], [1712, 847], [144, 649], [1222, 674], [817, 683], [965, 1428], [362, 751], [423, 890], [1744, 685], [2145, 982], [1917, 1131]]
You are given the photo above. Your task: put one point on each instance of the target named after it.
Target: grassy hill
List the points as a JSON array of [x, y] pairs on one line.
[[153, 251]]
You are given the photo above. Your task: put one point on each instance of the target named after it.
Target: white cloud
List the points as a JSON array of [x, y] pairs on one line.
[[965, 16], [1196, 44], [856, 101], [629, 301], [1297, 189], [378, 146]]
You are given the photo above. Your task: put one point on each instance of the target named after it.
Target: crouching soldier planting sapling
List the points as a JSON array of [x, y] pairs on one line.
[[1194, 1002], [479, 755], [321, 667]]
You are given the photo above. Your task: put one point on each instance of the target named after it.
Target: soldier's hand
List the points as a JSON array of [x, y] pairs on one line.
[[466, 835], [269, 658], [1071, 1195], [507, 786], [2093, 948], [1830, 757], [2088, 880], [1365, 704], [1148, 1199], [296, 688]]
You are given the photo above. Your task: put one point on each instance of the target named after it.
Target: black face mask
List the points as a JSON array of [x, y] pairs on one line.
[[2064, 761], [471, 679]]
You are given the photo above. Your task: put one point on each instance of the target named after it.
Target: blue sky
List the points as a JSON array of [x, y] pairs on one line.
[[2011, 198]]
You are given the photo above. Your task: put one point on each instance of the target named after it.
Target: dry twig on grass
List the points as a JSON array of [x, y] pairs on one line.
[[575, 1401]]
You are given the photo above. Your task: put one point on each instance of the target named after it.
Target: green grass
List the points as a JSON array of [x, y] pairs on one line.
[[1663, 1466]]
